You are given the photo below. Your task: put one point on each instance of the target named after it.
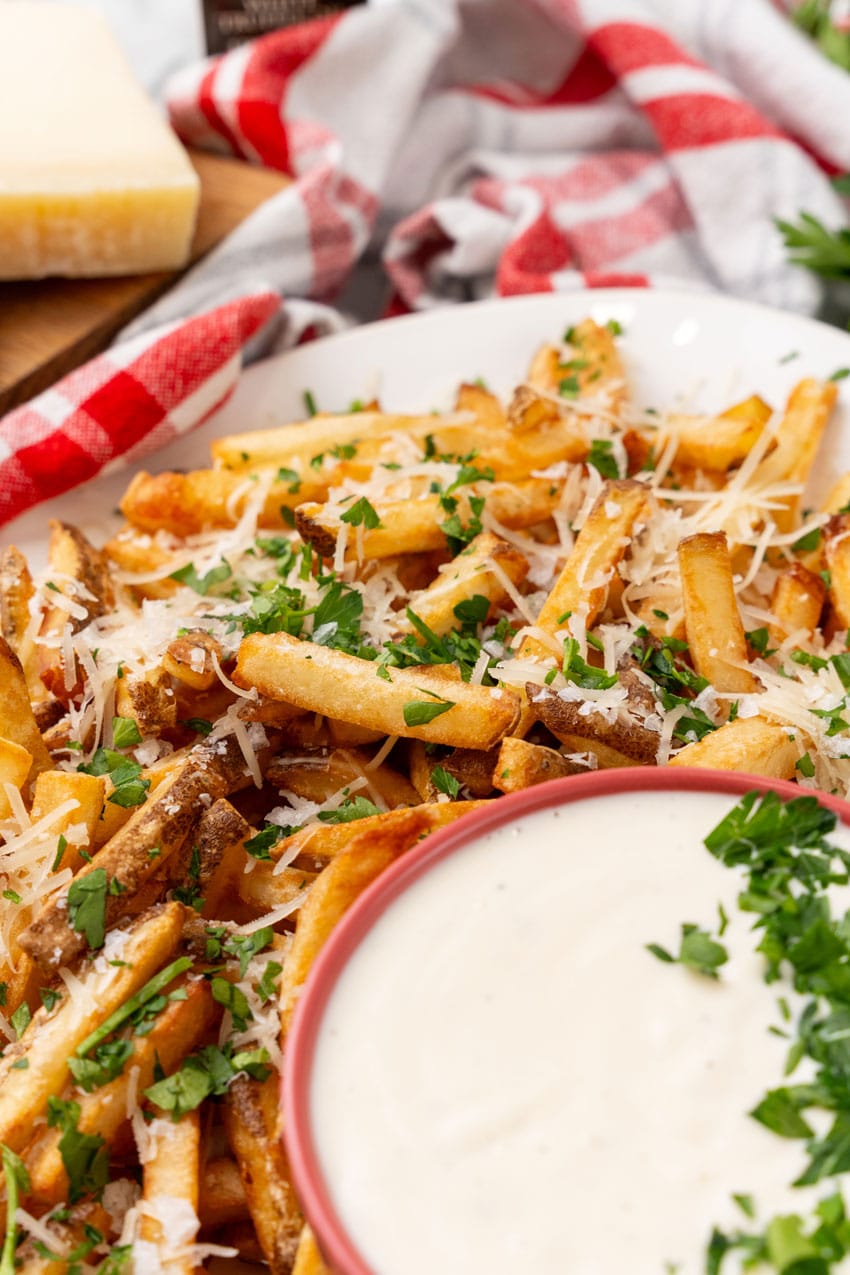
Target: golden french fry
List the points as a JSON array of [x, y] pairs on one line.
[[136, 553], [263, 890], [479, 570], [50, 1038], [15, 764], [323, 842], [751, 744], [296, 445], [713, 625], [412, 526], [17, 720], [797, 440], [470, 767], [483, 405], [408, 702], [186, 504], [838, 500], [149, 700], [16, 594], [796, 602], [522, 765], [171, 1172], [836, 548], [713, 442], [320, 776]]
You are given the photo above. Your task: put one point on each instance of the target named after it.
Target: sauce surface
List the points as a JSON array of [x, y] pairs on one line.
[[506, 1079]]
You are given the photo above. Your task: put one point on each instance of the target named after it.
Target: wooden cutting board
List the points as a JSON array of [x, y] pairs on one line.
[[49, 326]]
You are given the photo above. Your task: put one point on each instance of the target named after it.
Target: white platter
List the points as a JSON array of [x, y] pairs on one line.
[[698, 349]]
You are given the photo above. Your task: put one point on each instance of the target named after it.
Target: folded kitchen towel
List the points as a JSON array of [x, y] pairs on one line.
[[446, 150]]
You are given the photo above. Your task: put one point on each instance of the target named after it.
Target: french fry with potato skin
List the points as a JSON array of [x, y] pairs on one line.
[[713, 625], [172, 1171], [16, 593], [466, 575], [315, 676], [625, 741], [472, 769], [262, 889], [162, 824], [251, 1113], [178, 1029], [50, 1038], [752, 744]]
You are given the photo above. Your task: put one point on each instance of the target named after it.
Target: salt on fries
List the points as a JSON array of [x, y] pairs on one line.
[[217, 730]]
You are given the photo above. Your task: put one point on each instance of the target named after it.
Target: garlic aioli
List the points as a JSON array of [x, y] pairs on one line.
[[505, 1078]]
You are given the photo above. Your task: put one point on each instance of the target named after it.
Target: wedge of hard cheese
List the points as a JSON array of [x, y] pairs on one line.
[[92, 180]]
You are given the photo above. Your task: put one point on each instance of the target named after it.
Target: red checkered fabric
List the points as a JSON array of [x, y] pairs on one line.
[[127, 402], [465, 149]]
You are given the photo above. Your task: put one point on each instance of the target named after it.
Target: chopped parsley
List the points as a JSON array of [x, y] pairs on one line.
[[352, 808], [17, 1184], [125, 774], [580, 673], [202, 584], [601, 457], [362, 514], [445, 782], [418, 712], [697, 950], [208, 1073], [84, 1155], [87, 906]]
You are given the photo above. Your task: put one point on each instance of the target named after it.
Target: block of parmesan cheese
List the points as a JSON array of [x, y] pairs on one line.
[[92, 180]]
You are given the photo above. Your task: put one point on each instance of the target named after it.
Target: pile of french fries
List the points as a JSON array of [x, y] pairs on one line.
[[289, 668]]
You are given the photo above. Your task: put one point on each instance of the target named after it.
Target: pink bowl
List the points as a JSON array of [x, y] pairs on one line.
[[336, 1245]]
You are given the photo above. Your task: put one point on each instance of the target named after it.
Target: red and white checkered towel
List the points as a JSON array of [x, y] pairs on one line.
[[444, 150]]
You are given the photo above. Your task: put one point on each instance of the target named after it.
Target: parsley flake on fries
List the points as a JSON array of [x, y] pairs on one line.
[[220, 727]]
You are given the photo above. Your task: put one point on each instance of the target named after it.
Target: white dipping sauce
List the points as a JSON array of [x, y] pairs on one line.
[[506, 1080]]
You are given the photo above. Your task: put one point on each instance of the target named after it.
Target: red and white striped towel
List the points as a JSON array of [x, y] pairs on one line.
[[444, 150]]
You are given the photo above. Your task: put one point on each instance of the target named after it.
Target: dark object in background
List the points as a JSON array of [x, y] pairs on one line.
[[231, 22]]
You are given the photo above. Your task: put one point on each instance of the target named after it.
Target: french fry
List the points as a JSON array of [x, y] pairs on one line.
[[320, 776], [186, 504], [17, 721], [251, 1113], [222, 1196], [136, 553], [586, 576], [621, 741], [263, 889], [314, 676], [412, 526], [797, 440], [714, 442], [838, 500], [836, 546], [162, 824], [522, 765], [308, 1259], [149, 700], [171, 1172], [190, 659], [471, 768], [321, 843], [16, 593], [15, 764], [796, 602], [50, 1038], [483, 405], [754, 745], [80, 574], [470, 573], [713, 625], [175, 1033]]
